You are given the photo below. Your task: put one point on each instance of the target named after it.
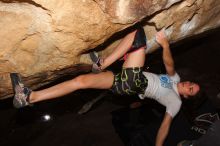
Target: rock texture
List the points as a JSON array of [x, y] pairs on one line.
[[44, 40]]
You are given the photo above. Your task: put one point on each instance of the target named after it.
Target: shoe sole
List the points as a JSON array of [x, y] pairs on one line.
[[15, 79]]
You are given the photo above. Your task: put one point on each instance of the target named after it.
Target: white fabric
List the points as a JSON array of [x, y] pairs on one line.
[[163, 88]]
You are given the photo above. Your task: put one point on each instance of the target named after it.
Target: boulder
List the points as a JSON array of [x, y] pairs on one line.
[[45, 40]]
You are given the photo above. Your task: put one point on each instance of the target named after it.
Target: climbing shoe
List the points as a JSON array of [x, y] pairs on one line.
[[22, 93]]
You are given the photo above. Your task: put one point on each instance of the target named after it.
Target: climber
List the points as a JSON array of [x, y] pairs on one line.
[[166, 89]]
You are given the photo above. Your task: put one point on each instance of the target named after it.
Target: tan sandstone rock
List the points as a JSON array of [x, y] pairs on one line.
[[44, 40]]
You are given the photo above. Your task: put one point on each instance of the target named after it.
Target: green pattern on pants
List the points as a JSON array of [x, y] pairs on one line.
[[130, 81]]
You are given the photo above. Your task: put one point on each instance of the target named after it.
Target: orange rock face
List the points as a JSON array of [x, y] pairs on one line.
[[42, 38]]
